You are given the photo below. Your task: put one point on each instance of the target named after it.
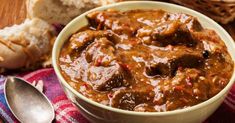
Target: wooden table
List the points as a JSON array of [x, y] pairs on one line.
[[14, 12]]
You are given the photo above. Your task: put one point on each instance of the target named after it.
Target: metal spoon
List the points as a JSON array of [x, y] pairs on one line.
[[27, 103]]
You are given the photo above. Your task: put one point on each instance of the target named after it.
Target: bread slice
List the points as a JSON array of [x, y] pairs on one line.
[[61, 11], [25, 44]]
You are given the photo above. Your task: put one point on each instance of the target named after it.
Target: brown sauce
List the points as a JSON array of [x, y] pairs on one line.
[[146, 60]]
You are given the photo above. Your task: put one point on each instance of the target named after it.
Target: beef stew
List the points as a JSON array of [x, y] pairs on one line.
[[146, 60]]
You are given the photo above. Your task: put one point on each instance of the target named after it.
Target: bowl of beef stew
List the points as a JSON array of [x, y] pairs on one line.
[[144, 62]]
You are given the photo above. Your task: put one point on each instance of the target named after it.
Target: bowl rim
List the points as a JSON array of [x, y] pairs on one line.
[[109, 108]]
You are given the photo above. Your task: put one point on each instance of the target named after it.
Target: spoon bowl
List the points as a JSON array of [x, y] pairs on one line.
[[26, 102]]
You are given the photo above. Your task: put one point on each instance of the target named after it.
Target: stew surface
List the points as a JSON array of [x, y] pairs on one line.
[[146, 60]]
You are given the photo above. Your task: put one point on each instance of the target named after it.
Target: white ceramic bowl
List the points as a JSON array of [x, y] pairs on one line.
[[99, 113]]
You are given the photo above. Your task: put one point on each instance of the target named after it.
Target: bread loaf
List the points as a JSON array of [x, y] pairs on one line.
[[25, 44], [61, 11]]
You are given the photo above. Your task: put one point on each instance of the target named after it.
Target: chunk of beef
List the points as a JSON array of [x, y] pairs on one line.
[[168, 33], [100, 52], [104, 72], [194, 25], [107, 78], [116, 21], [178, 57], [210, 41], [129, 99], [180, 36], [81, 40], [189, 21]]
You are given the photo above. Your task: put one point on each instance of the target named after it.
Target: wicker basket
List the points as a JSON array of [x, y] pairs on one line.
[[222, 11]]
